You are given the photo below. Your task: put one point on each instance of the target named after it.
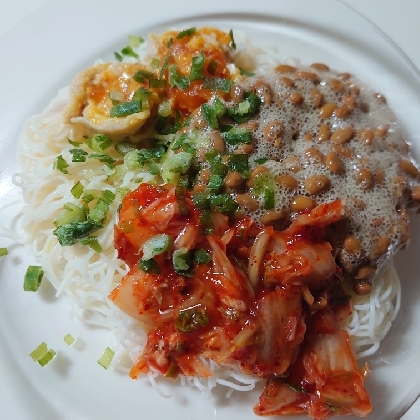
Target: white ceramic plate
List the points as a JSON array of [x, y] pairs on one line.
[[42, 55]]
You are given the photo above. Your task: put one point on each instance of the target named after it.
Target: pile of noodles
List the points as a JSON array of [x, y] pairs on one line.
[[86, 277]]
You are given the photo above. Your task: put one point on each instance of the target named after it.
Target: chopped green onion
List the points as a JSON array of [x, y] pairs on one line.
[[191, 319], [212, 67], [215, 183], [68, 339], [201, 201], [155, 63], [126, 108], [169, 43], [141, 94], [181, 260], [3, 252], [260, 161], [164, 109], [237, 135], [100, 142], [156, 245], [239, 163], [186, 32], [157, 83], [88, 198], [224, 203], [74, 143], [149, 266], [246, 73], [70, 233], [197, 67], [47, 357], [77, 190], [71, 214], [164, 66], [33, 278], [141, 75], [61, 165], [241, 112], [93, 243], [176, 80], [219, 107], [232, 40], [106, 358], [210, 116], [265, 186], [128, 51], [217, 83], [123, 147], [154, 168], [107, 197], [104, 158], [78, 155], [201, 256], [118, 56], [39, 352], [134, 41], [217, 166]]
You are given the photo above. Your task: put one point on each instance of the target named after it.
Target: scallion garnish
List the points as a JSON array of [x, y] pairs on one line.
[[260, 161], [106, 358], [149, 266], [128, 51], [197, 67], [74, 143], [88, 198], [33, 278], [156, 245], [68, 339], [210, 116], [217, 83], [186, 32], [241, 112], [126, 108], [100, 142], [191, 319], [104, 158], [169, 43], [232, 43], [118, 56], [219, 107], [215, 183], [93, 243], [246, 73], [123, 147], [164, 66], [181, 260], [3, 252], [265, 186], [237, 135], [78, 155], [47, 357], [224, 203], [239, 163], [201, 201], [70, 233], [61, 165], [157, 83], [142, 75], [39, 352], [134, 41], [77, 190], [141, 94], [176, 80], [201, 256]]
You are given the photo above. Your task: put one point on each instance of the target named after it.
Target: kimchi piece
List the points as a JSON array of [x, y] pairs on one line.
[[254, 299]]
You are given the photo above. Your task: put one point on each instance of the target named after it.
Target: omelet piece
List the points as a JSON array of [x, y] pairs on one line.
[[90, 98]]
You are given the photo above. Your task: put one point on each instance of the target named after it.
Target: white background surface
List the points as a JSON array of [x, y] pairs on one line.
[[398, 18]]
